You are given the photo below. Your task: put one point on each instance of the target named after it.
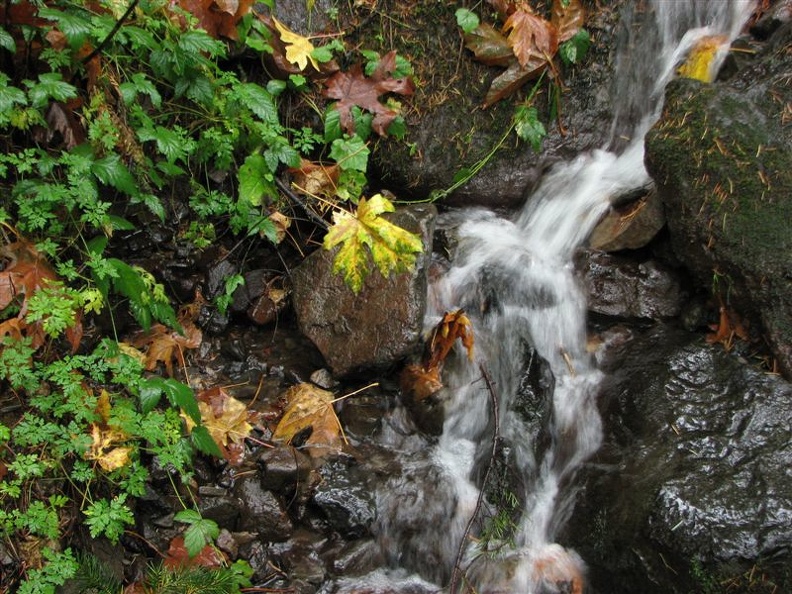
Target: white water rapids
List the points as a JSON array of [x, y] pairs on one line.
[[515, 280]]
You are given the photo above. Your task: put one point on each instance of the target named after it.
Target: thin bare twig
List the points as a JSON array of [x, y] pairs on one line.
[[297, 202], [457, 573]]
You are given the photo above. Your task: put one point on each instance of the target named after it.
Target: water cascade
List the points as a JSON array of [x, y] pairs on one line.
[[514, 278]]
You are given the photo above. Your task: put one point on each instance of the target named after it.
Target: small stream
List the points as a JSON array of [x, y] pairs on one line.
[[515, 280]]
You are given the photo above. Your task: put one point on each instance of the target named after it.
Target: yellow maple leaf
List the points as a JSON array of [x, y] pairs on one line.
[[109, 458], [231, 424], [309, 406], [700, 61], [392, 248], [298, 48]]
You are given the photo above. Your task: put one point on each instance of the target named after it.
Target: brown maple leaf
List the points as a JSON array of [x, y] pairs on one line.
[[353, 88], [530, 35], [227, 420], [162, 344], [177, 556], [567, 18]]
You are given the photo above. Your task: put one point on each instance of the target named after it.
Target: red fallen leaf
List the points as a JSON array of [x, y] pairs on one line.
[[177, 556], [729, 326], [25, 273], [353, 88], [489, 46], [164, 345]]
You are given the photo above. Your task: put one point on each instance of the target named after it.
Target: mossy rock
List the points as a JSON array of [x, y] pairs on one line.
[[720, 155]]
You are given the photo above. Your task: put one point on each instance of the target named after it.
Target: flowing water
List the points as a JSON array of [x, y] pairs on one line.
[[514, 278]]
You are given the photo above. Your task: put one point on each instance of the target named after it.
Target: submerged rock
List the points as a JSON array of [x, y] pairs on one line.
[[694, 471]]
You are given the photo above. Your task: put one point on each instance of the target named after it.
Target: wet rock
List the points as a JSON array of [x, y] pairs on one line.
[[631, 226], [381, 582], [720, 156], [227, 543], [357, 557], [452, 131], [779, 13], [622, 287], [694, 469], [261, 511], [346, 499], [377, 326], [283, 468], [324, 379], [223, 510]]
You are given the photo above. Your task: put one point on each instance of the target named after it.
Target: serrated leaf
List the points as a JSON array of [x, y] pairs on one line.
[[111, 171], [466, 19], [530, 35], [188, 516], [7, 41], [528, 126], [204, 443], [258, 100], [573, 50], [351, 153], [367, 235], [196, 41], [150, 396], [332, 123], [200, 533], [50, 86], [255, 180], [489, 46]]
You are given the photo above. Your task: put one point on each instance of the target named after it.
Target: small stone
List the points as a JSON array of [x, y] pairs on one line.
[[211, 491], [223, 510], [227, 543], [283, 468], [262, 511], [345, 499], [324, 379]]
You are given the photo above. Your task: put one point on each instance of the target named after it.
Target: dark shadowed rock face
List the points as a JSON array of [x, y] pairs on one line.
[[379, 325], [623, 287], [695, 468], [721, 158]]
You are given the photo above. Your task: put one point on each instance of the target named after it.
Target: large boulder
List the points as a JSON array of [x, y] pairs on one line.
[[721, 158], [692, 482], [380, 324], [449, 130]]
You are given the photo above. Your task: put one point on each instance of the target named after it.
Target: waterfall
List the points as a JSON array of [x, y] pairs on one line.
[[514, 278]]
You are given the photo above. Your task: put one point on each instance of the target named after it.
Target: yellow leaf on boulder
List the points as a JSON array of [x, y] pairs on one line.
[[700, 63], [309, 406]]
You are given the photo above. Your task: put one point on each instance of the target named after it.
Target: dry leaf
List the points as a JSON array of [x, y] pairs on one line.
[[164, 345], [315, 179], [701, 58], [102, 450], [729, 326], [310, 407], [225, 417], [298, 48]]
